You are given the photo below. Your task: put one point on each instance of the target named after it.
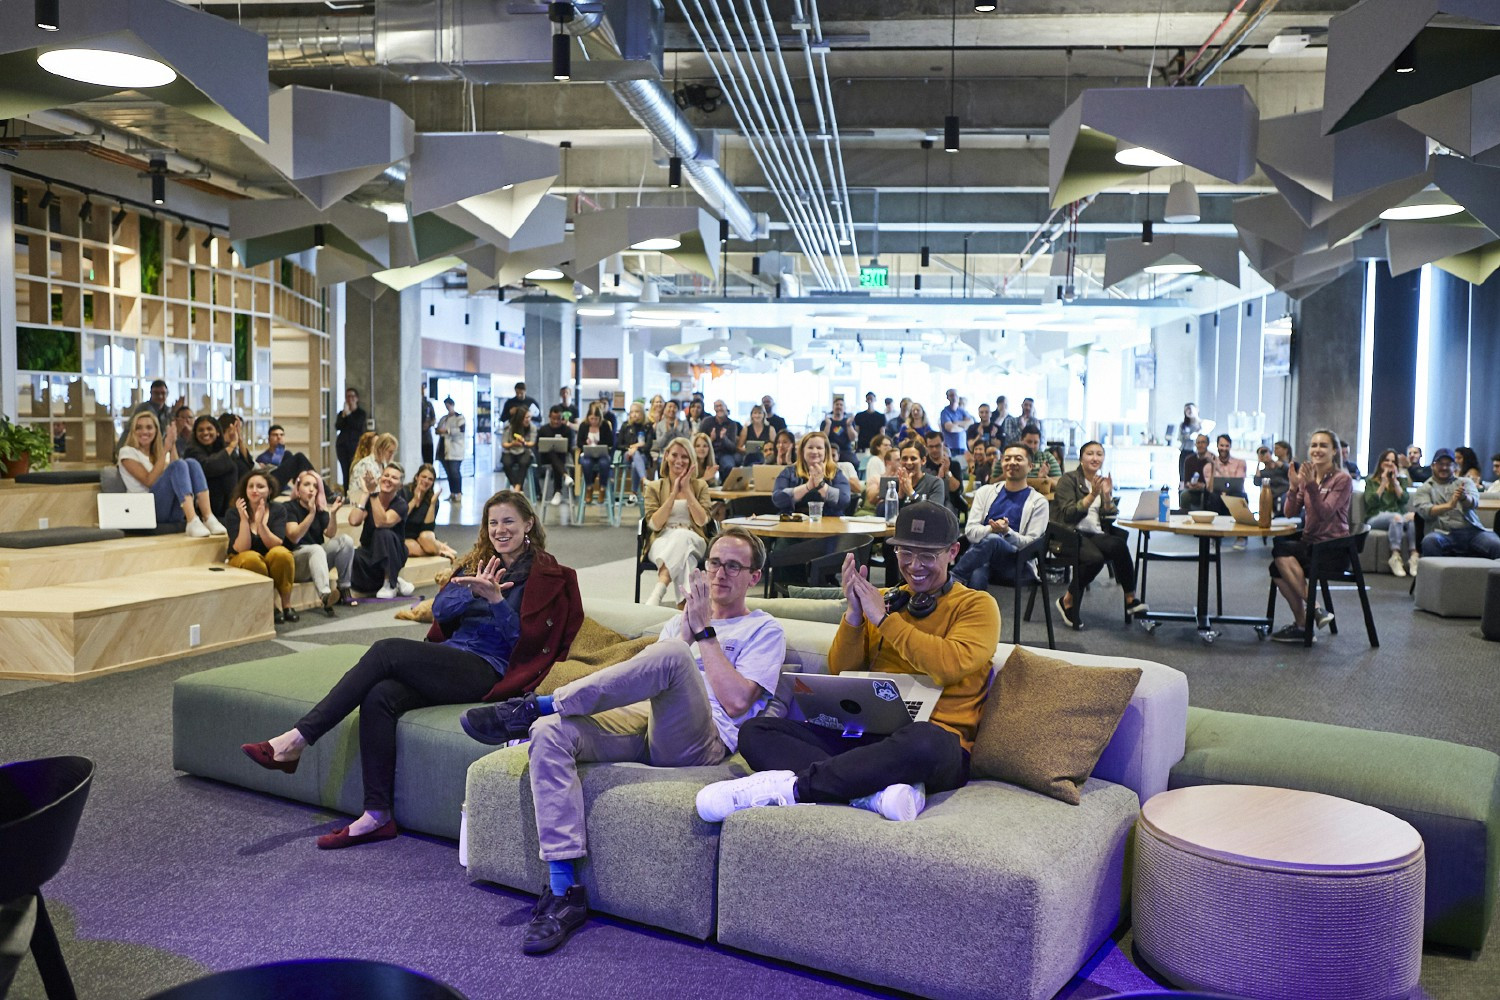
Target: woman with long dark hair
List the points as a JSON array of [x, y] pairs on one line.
[[509, 613], [421, 516], [1386, 501], [257, 538], [1320, 491]]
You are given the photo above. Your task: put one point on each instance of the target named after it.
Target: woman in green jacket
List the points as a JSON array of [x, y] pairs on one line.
[[1385, 507]]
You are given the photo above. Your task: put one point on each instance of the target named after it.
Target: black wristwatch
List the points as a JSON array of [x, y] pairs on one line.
[[707, 633]]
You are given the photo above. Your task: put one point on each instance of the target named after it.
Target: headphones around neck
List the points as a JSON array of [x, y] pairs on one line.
[[916, 605]]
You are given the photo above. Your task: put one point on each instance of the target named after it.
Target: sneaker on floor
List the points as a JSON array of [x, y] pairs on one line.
[[1289, 633], [1069, 615], [567, 481], [1136, 606], [496, 725], [1322, 618], [765, 788], [630, 500], [214, 527], [557, 499], [197, 529], [1398, 568], [1411, 563], [1239, 544], [554, 919], [405, 587], [895, 802], [386, 593]]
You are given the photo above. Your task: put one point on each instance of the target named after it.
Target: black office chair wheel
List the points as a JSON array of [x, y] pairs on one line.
[[1149, 626], [1262, 632], [1208, 636]]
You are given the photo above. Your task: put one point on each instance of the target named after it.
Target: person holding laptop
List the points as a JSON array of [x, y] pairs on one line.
[[933, 625], [679, 703]]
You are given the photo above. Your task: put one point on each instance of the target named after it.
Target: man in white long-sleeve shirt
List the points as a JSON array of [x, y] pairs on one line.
[[1003, 517]]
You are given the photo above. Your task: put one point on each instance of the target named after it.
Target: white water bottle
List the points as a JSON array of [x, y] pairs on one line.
[[892, 502]]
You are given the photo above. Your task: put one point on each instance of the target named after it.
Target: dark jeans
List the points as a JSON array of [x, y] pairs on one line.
[[427, 447], [833, 768], [380, 562], [595, 469], [515, 467], [558, 462], [395, 676], [1093, 552], [293, 464], [993, 556], [455, 472]]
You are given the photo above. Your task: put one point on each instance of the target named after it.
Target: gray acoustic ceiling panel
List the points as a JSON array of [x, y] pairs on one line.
[[486, 182], [1296, 155], [262, 231], [1218, 256], [1409, 245], [1467, 120]]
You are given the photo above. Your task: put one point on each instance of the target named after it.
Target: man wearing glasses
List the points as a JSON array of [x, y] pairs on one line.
[[678, 703], [931, 625]]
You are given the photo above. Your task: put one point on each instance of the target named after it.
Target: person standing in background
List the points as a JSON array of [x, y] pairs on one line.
[[1008, 426], [868, 424], [954, 421], [348, 426], [769, 406], [454, 430], [429, 417]]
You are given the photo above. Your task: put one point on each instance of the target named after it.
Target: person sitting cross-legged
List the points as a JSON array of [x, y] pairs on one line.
[[679, 703], [1004, 517], [931, 625]]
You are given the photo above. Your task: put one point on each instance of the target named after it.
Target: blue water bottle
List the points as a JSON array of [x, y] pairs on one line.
[[1163, 504]]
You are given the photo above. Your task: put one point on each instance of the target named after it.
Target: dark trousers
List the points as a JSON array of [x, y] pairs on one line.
[[395, 676], [515, 467], [558, 461], [427, 447], [831, 767], [346, 460], [380, 562], [293, 464], [1093, 552], [455, 472]]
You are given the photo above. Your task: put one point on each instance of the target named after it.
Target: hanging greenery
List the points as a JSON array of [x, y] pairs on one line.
[[39, 349], [151, 256]]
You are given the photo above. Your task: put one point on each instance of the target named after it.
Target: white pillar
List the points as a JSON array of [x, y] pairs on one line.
[[8, 360]]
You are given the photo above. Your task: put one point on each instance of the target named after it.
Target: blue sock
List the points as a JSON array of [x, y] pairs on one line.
[[560, 876], [544, 704]]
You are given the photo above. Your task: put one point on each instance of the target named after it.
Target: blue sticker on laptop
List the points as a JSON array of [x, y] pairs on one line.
[[886, 690]]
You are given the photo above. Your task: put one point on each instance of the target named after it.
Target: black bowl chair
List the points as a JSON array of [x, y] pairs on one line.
[[41, 802], [1336, 560], [314, 979], [817, 562]]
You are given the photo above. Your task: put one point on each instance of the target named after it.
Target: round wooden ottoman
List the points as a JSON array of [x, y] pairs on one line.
[[1278, 894]]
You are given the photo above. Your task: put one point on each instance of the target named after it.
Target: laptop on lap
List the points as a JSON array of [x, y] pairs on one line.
[[858, 703]]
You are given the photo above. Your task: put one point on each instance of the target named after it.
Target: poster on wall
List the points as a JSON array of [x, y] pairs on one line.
[[1145, 371], [1276, 349]]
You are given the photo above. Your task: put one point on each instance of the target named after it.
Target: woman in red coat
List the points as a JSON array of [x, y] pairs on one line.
[[509, 613]]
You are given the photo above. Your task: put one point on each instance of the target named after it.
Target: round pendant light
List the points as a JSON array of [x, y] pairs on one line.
[[657, 243], [107, 68]]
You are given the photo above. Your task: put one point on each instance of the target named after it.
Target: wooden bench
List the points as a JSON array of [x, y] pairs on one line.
[[107, 562], [22, 507]]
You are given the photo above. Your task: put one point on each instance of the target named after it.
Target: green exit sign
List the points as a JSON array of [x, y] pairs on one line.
[[874, 276]]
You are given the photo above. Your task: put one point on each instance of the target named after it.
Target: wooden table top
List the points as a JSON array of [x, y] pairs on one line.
[[829, 526], [1222, 526], [1279, 827]]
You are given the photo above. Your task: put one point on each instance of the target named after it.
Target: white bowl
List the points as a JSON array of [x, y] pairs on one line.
[[1202, 516]]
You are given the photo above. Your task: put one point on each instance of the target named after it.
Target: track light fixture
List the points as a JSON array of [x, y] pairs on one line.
[[158, 173], [562, 43], [1146, 235], [674, 172], [207, 241], [320, 235], [1406, 62], [47, 15], [86, 211], [47, 199], [182, 231], [116, 220]]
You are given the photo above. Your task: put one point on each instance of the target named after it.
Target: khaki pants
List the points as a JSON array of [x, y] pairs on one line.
[[652, 709]]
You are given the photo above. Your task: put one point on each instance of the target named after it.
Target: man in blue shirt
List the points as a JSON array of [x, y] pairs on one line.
[[955, 421], [1003, 517]]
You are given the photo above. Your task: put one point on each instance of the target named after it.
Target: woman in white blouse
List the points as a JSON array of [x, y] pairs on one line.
[[146, 466], [676, 517]]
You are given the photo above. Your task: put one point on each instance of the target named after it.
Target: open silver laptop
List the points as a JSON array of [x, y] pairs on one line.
[[1240, 510], [127, 511], [551, 444], [1146, 506], [857, 703], [764, 476], [739, 478]]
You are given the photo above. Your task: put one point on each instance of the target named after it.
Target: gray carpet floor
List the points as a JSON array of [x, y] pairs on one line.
[[173, 876]]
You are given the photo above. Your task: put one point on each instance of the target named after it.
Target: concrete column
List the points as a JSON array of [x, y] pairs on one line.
[[549, 353], [1176, 351], [8, 363], [1325, 359], [383, 360]]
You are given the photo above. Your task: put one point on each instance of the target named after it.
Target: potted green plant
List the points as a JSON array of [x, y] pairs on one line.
[[23, 447]]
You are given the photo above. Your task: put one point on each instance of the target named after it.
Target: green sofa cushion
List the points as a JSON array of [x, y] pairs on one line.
[[1449, 792]]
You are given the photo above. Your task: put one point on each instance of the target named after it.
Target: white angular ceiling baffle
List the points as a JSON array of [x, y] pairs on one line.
[[1269, 217], [603, 234], [1210, 128], [265, 230], [1466, 120], [399, 278], [1409, 245], [485, 182], [1474, 186], [1304, 164], [1361, 82], [1218, 256], [326, 143], [1474, 266], [221, 69]]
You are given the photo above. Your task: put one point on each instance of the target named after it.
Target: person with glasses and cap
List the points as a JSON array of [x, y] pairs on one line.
[[1449, 504], [933, 625], [679, 703]]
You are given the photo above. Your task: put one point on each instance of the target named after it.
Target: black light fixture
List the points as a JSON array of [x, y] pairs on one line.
[[1406, 62], [1146, 235], [562, 43], [118, 219], [723, 230], [984, 7], [47, 15], [320, 236], [182, 232], [950, 123], [916, 283], [158, 172], [926, 175], [755, 265], [207, 241], [47, 199], [674, 172], [86, 211]]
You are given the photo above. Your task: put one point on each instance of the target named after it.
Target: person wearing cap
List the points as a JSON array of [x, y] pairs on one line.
[[931, 625], [1447, 503], [1003, 517]]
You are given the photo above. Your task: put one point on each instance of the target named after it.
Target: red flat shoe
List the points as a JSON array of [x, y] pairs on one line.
[[263, 755], [341, 838]]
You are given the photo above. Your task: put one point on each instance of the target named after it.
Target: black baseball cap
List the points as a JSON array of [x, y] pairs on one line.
[[925, 525]]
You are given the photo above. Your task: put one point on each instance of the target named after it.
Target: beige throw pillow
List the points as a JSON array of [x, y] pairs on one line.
[[1046, 722]]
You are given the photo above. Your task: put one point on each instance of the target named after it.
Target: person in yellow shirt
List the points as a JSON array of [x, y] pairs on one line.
[[931, 625]]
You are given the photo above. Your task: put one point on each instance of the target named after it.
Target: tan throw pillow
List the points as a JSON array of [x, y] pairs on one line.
[[1046, 722]]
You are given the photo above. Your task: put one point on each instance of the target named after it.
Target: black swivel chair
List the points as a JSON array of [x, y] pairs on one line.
[[750, 506], [643, 562], [41, 802], [1323, 562], [1034, 552], [823, 559]]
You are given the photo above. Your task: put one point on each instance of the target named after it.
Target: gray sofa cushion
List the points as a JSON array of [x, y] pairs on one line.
[[1453, 586], [650, 859], [992, 892], [110, 480], [37, 538], [58, 477]]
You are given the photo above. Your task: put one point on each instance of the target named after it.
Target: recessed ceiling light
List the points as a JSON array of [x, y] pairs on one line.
[[544, 274], [596, 310], [107, 68], [658, 243], [1132, 155], [1186, 268], [1436, 210]]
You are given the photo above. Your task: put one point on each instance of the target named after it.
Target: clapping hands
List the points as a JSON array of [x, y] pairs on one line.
[[866, 603], [697, 611], [487, 582]]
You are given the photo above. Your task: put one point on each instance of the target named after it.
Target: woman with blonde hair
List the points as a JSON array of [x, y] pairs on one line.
[[382, 539], [257, 538], [814, 478], [755, 434], [365, 473], [915, 426], [510, 612], [146, 466], [634, 441], [422, 496], [676, 519], [669, 427], [876, 467], [312, 533], [703, 459]]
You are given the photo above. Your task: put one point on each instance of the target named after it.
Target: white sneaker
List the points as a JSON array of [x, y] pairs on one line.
[[386, 593], [214, 527], [567, 481], [767, 788], [1239, 545], [197, 529], [405, 587], [657, 593], [1411, 563], [1397, 567], [895, 802], [557, 499]]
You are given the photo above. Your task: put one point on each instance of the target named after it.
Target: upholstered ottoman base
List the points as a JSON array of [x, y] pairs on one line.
[[1453, 586], [992, 892], [215, 711], [651, 859]]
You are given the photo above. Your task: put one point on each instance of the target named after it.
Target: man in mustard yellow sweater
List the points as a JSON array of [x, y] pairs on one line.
[[931, 625]]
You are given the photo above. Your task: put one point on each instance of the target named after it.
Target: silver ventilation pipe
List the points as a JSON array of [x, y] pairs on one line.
[[305, 42]]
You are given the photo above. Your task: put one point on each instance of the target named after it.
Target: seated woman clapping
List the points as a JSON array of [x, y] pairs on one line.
[[146, 466], [421, 514], [813, 478], [224, 465], [257, 538], [382, 539], [499, 626], [675, 518], [312, 532]]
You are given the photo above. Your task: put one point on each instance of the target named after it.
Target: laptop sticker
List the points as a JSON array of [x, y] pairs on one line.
[[886, 691]]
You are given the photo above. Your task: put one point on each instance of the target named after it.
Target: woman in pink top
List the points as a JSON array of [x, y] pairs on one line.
[[1319, 491]]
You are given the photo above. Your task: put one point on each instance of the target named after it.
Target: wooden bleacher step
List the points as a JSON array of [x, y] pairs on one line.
[[112, 560], [70, 505]]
